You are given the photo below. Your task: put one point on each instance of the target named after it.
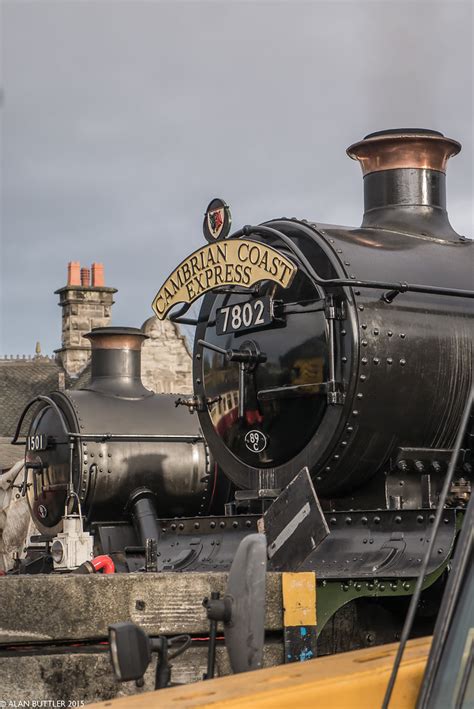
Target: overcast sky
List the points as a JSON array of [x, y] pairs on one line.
[[121, 120]]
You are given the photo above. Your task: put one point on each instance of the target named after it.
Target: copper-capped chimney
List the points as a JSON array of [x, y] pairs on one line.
[[405, 180], [116, 362]]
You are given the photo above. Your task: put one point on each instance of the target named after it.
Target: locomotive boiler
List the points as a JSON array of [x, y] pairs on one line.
[[364, 366], [346, 351], [114, 448]]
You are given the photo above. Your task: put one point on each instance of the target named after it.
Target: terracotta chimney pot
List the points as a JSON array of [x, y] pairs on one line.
[[85, 277], [98, 275], [74, 273]]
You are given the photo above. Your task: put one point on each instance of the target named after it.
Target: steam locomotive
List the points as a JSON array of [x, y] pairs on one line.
[[346, 351]]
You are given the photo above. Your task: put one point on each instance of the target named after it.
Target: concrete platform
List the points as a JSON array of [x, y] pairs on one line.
[[53, 631]]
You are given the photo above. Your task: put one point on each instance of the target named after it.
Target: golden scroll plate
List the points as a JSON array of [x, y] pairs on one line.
[[231, 262]]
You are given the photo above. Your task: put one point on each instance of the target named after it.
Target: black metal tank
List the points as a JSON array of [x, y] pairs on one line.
[[124, 437], [351, 373]]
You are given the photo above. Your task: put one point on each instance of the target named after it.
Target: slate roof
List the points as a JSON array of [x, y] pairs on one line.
[[9, 454], [81, 381], [20, 381]]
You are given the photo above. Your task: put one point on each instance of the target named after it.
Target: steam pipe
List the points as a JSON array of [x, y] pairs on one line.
[[321, 283], [143, 511], [104, 563], [99, 563]]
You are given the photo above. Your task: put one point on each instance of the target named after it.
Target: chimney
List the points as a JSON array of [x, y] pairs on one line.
[[84, 307], [116, 362], [404, 173], [74, 273], [85, 277], [98, 274]]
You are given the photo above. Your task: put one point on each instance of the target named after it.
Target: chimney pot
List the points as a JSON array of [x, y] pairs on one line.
[[405, 181], [74, 273], [85, 277], [116, 361], [98, 275]]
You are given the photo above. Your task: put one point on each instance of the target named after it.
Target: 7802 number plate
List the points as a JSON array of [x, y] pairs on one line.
[[244, 316]]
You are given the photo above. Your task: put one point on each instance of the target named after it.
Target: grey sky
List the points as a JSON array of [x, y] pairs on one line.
[[120, 120]]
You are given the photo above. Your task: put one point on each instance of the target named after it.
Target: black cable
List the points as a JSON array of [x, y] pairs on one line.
[[455, 587], [434, 531], [185, 641]]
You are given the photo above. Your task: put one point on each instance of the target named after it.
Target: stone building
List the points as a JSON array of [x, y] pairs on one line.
[[86, 302], [166, 360]]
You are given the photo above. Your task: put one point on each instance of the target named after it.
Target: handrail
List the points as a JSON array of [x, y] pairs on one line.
[[105, 436], [393, 288], [396, 287], [50, 402]]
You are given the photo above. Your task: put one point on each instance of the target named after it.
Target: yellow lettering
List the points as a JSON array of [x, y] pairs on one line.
[[229, 272], [191, 293], [194, 264], [227, 262], [186, 272], [218, 274], [243, 248], [254, 255], [274, 267], [264, 261], [160, 308], [222, 250], [211, 259], [168, 294]]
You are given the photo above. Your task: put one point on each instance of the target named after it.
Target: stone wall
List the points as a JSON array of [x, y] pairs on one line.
[[166, 360], [84, 306]]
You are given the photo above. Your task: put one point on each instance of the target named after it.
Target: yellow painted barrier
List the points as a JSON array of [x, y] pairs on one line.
[[350, 680]]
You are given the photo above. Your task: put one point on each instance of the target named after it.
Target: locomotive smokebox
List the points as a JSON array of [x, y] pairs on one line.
[[112, 437], [405, 180], [116, 362]]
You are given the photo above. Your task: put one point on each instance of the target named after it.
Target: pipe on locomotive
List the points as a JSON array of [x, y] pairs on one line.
[[393, 288], [143, 511]]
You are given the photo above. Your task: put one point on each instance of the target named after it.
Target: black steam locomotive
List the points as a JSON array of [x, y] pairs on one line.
[[346, 351]]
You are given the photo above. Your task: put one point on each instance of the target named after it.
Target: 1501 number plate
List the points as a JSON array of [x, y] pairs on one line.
[[244, 316], [38, 442]]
